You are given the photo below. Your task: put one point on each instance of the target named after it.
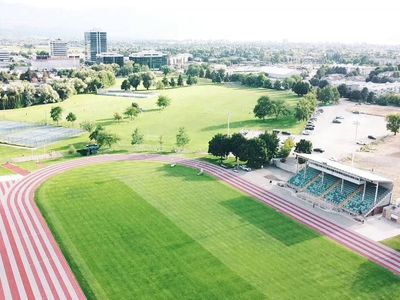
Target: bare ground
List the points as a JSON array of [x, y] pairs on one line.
[[382, 157]]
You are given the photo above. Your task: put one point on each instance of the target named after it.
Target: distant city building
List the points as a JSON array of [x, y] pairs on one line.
[[5, 56], [95, 43], [110, 58], [58, 48], [41, 63], [179, 60], [153, 59]]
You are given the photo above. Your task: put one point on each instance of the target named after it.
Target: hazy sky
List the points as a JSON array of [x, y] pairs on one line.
[[372, 21]]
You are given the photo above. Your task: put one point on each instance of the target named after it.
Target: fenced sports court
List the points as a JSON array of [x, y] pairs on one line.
[[32, 135]]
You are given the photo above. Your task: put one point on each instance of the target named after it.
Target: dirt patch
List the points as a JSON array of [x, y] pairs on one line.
[[374, 110], [382, 157]]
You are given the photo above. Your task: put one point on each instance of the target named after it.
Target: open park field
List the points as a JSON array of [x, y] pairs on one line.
[[202, 110], [166, 233]]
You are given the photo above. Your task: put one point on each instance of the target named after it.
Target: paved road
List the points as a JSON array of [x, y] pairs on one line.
[[33, 267]]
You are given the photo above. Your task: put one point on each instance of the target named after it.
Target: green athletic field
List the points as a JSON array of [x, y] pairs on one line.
[[148, 231], [201, 109]]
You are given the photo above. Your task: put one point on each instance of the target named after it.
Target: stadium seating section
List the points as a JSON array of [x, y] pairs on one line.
[[336, 196], [303, 177]]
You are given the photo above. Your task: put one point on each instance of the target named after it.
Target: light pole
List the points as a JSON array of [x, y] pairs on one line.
[[229, 124], [357, 123]]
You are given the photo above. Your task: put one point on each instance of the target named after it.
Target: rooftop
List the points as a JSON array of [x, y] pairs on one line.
[[362, 174], [147, 53]]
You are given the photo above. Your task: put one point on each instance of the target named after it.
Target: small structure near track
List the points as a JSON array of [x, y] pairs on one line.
[[342, 188]]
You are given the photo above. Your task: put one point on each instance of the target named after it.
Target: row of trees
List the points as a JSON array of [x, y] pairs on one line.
[[256, 152], [364, 95], [56, 115], [304, 109], [182, 139]]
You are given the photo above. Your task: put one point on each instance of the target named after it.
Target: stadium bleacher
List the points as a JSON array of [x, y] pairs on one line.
[[356, 205], [322, 184], [336, 196], [303, 177]]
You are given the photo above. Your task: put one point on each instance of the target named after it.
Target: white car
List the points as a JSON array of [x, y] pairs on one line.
[[306, 132]]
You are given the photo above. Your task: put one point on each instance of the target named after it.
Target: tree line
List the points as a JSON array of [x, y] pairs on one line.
[[85, 80], [256, 152]]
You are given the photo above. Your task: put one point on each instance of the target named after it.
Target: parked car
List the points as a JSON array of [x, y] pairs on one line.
[[313, 119], [306, 132], [277, 131], [286, 133], [309, 128], [371, 137], [244, 168], [319, 150], [361, 143], [339, 117], [356, 112], [336, 121], [320, 110]]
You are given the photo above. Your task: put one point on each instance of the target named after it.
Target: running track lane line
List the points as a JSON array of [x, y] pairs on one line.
[[48, 257]]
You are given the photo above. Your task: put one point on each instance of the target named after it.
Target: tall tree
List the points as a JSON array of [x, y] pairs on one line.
[[135, 80], [180, 80], [125, 85], [55, 113], [393, 123], [263, 108], [182, 138], [163, 101], [71, 117], [237, 144], [131, 112], [117, 117], [148, 79], [301, 88], [219, 145], [137, 137], [271, 141]]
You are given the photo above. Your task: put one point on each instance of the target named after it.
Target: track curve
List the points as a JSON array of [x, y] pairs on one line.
[[33, 267]]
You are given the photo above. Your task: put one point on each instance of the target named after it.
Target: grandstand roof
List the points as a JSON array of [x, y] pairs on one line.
[[365, 175]]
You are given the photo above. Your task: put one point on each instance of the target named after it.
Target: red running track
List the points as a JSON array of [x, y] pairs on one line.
[[33, 267]]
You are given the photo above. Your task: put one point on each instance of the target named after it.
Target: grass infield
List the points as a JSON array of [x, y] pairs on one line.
[[144, 230]]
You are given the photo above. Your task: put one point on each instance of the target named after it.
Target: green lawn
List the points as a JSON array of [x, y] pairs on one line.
[[201, 109], [148, 231], [393, 243]]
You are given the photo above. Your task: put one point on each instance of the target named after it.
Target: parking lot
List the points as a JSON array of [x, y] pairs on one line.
[[340, 140]]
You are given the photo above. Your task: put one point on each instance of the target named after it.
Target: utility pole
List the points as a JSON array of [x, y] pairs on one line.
[[357, 123]]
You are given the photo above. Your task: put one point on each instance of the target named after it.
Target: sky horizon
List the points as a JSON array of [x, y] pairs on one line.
[[310, 21]]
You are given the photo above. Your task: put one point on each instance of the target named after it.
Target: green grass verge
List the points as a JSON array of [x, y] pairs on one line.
[[201, 109], [148, 231], [393, 242]]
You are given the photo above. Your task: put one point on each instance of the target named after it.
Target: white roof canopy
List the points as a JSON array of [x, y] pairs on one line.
[[363, 175]]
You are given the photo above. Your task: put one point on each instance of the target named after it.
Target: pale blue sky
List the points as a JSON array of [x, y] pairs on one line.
[[298, 21]]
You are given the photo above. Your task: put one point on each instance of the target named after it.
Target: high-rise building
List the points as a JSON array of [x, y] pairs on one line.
[[58, 48], [4, 55], [95, 43]]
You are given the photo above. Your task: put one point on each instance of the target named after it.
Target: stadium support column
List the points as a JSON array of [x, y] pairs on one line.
[[365, 187], [376, 192], [323, 176], [341, 187]]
